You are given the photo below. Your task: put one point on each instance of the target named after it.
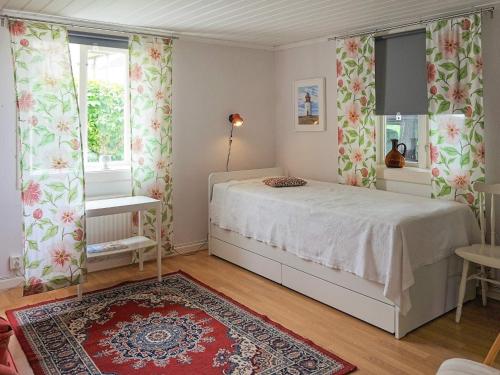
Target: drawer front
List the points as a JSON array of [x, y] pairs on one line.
[[365, 308], [253, 262], [332, 275]]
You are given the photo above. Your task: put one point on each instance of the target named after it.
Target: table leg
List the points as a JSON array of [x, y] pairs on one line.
[[140, 233], [79, 291], [158, 241]]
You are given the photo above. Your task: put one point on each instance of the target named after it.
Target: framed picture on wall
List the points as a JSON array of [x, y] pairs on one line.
[[309, 104]]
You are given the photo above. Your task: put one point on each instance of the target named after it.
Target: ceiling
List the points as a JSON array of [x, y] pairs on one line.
[[262, 22]]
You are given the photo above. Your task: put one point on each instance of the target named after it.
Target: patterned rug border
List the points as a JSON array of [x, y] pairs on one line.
[[34, 363]]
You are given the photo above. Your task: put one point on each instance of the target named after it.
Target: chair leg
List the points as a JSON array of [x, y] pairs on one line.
[[484, 287], [461, 292]]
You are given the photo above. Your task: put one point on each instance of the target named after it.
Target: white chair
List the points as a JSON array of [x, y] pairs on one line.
[[483, 254], [459, 366]]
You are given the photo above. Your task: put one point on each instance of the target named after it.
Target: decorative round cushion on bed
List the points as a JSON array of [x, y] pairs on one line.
[[284, 181]]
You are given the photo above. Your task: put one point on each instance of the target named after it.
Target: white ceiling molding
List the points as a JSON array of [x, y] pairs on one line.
[[119, 29], [87, 24], [400, 27], [413, 24], [265, 24], [302, 43], [229, 43]]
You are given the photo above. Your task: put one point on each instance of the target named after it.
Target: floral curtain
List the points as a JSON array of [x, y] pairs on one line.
[[151, 125], [455, 94], [356, 111], [50, 157]]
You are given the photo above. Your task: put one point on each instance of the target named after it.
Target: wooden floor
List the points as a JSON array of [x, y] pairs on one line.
[[372, 350]]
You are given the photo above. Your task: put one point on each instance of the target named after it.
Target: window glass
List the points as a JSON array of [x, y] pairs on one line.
[[104, 81], [405, 129]]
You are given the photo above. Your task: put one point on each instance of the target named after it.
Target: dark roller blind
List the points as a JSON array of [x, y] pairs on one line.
[[101, 40], [401, 74]]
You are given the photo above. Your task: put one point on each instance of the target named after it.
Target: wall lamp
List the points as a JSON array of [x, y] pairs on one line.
[[235, 120]]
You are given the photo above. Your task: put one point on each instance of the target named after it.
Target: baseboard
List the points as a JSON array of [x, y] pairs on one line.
[[11, 282], [189, 247], [108, 262]]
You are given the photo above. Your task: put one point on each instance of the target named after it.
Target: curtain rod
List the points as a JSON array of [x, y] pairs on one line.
[[415, 23], [85, 24]]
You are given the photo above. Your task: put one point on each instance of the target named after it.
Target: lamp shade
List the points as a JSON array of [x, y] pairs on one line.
[[235, 119]]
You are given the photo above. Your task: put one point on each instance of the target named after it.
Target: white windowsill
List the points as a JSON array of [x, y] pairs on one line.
[[108, 183], [407, 174], [115, 173]]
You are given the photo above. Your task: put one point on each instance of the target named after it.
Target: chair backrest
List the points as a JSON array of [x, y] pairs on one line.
[[492, 354], [484, 189]]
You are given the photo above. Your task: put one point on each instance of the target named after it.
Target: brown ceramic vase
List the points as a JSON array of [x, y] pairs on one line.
[[394, 158]]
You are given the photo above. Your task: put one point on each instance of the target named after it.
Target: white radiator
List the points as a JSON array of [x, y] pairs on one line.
[[108, 228]]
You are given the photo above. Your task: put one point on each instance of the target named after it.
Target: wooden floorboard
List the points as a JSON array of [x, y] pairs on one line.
[[374, 351]]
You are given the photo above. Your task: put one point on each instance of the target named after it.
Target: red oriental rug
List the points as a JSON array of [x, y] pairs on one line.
[[177, 326]]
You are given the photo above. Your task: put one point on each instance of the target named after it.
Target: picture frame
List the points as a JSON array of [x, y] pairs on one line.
[[309, 104]]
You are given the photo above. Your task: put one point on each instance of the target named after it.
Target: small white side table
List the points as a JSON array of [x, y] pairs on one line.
[[113, 206]]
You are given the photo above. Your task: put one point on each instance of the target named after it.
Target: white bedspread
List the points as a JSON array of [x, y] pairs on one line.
[[378, 235]]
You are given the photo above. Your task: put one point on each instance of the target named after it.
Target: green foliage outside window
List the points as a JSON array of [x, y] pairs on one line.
[[105, 121]]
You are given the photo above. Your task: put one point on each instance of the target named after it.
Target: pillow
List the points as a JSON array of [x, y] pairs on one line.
[[278, 182]]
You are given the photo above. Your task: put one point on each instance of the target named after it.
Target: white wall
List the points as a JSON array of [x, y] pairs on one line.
[[491, 57], [491, 77], [314, 155], [306, 154], [10, 198], [210, 82]]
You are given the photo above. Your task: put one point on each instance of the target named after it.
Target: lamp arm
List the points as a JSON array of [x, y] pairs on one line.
[[229, 149]]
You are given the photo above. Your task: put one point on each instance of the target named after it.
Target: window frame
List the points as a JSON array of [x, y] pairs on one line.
[[423, 142], [82, 104]]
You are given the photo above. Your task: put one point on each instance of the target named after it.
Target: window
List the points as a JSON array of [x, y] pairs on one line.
[[401, 73], [101, 77], [408, 129], [401, 79]]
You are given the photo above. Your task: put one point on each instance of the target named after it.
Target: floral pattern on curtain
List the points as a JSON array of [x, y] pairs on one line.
[[151, 127], [356, 111], [50, 157], [456, 117]]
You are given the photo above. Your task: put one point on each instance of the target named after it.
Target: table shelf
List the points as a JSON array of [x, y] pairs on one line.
[[114, 206], [120, 205], [120, 246]]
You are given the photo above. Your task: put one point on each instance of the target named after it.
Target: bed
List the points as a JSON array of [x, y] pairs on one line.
[[382, 257]]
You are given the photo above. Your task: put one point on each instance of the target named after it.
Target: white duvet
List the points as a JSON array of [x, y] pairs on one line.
[[378, 235]]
